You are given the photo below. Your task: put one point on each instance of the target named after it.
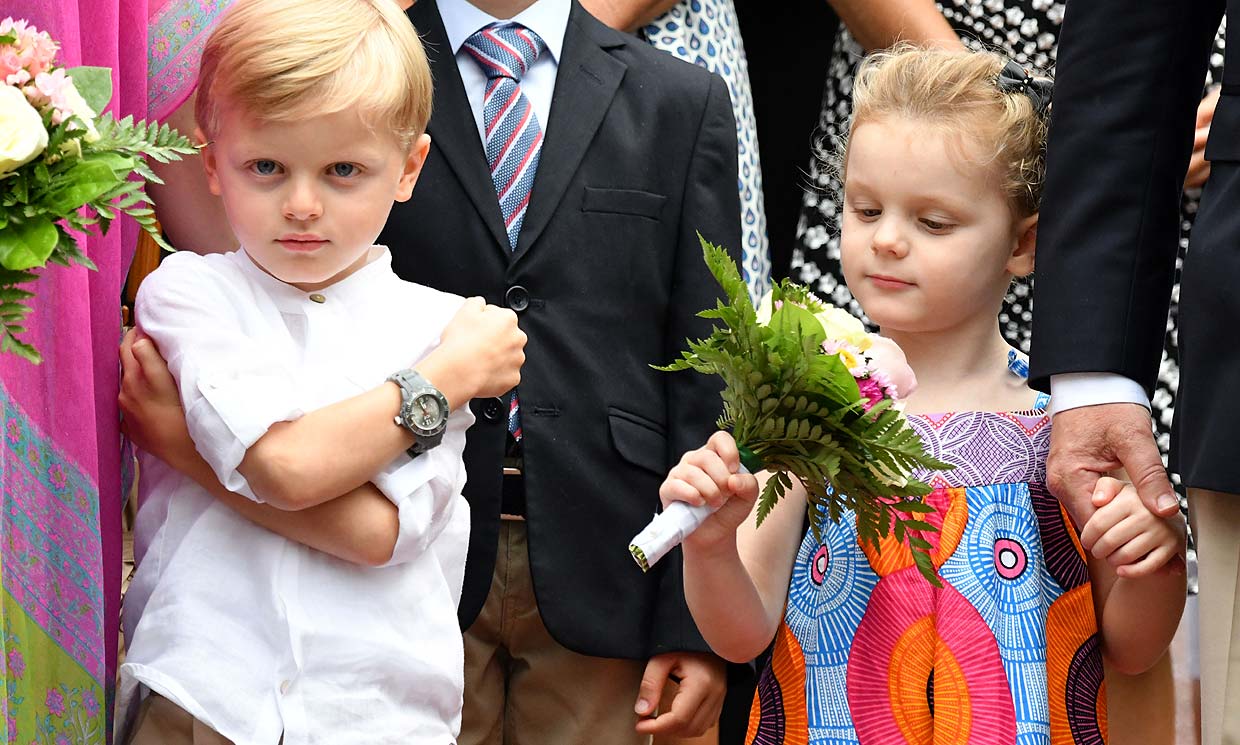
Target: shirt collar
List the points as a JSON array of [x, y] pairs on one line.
[[547, 18], [357, 286]]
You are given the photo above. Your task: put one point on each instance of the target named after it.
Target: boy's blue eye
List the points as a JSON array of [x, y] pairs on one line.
[[344, 170], [265, 167]]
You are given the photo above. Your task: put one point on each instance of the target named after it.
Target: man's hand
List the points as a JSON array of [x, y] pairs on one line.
[[1198, 166], [1090, 442], [153, 418], [698, 698]]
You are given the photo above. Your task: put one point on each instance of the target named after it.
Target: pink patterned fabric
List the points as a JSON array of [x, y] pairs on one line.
[[178, 29], [60, 448]]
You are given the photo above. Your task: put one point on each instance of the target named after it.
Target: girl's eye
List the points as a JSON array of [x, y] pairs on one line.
[[265, 167], [344, 170], [935, 224], [869, 212]]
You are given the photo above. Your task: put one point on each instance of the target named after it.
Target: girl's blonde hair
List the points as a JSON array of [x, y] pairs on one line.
[[284, 60], [960, 92]]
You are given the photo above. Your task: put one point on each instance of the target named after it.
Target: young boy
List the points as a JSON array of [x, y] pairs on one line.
[[325, 390]]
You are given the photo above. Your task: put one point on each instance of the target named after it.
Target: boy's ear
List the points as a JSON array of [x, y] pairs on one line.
[[1020, 263], [207, 153], [413, 167]]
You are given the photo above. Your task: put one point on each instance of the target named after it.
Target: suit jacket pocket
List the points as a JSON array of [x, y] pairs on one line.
[[623, 202], [639, 440]]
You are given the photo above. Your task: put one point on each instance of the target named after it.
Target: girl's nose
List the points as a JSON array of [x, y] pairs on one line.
[[889, 239]]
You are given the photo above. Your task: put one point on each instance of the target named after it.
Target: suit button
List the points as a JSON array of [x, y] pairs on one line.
[[493, 408], [517, 298]]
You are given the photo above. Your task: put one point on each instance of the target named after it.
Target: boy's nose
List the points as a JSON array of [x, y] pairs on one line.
[[302, 203]]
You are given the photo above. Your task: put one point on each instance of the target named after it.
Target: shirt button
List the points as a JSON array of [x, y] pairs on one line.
[[493, 408], [316, 297], [517, 298], [284, 685]]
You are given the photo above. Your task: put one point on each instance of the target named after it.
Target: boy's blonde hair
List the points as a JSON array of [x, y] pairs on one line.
[[284, 60], [960, 92]]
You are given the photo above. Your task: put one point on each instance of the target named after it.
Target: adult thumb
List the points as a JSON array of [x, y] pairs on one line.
[[1143, 462]]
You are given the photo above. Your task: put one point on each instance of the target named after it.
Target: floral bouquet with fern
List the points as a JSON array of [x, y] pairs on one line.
[[810, 395], [63, 168]]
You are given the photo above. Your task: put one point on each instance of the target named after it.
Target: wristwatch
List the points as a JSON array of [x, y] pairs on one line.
[[423, 410]]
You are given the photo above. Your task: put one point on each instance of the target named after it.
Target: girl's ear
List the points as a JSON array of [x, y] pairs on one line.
[[1020, 263], [207, 153]]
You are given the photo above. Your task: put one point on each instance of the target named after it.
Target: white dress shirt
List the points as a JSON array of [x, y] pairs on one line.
[[255, 635], [1074, 390], [547, 18]]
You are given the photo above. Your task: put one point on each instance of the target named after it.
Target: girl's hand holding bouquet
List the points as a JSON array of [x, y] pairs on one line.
[[809, 394]]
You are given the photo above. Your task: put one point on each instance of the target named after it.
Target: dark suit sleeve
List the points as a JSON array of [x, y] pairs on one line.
[[711, 206], [1129, 77]]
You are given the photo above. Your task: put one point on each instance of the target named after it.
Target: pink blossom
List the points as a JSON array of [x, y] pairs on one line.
[[886, 355], [55, 701], [17, 665], [11, 70], [53, 89], [35, 50], [871, 391], [90, 701]]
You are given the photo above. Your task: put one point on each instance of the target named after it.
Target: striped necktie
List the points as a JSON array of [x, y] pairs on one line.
[[512, 135]]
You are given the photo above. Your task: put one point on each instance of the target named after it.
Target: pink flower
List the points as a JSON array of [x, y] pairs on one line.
[[871, 391], [17, 665], [57, 476], [11, 70], [34, 52], [887, 357], [55, 702], [15, 431], [90, 701]]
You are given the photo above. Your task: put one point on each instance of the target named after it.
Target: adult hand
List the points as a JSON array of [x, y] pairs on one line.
[[150, 402], [698, 699], [1090, 442], [1198, 166]]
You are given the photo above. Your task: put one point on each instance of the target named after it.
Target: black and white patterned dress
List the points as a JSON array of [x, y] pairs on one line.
[[1027, 31]]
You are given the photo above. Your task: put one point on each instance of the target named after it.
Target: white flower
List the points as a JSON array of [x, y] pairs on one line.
[[22, 136], [842, 326], [81, 109]]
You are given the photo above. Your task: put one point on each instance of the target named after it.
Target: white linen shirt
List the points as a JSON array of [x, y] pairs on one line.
[[257, 636]]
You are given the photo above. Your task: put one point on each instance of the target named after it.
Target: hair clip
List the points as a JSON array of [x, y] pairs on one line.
[[1014, 79]]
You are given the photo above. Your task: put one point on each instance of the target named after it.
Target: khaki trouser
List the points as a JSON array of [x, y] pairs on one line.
[[1215, 518], [161, 722], [522, 687]]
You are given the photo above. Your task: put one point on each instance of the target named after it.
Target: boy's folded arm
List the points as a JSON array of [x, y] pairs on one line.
[[361, 526]]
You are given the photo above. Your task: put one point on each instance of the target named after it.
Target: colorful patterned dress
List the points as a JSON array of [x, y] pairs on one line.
[[1007, 651]]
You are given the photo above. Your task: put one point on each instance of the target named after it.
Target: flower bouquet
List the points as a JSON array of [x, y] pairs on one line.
[[63, 168], [808, 394]]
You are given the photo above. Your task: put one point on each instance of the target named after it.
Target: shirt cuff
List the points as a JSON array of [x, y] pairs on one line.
[[1074, 390]]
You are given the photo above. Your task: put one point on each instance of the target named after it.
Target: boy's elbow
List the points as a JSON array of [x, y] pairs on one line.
[[281, 477]]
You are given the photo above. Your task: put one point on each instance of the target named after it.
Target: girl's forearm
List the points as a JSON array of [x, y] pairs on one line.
[[628, 15], [1139, 619], [726, 603], [360, 527], [879, 24]]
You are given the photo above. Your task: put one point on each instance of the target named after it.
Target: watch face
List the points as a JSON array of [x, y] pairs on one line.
[[427, 412]]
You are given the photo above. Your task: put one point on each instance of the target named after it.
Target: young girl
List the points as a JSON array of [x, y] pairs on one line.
[[942, 179]]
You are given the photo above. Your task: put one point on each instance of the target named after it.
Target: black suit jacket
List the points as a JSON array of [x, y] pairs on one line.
[[1130, 76], [639, 154]]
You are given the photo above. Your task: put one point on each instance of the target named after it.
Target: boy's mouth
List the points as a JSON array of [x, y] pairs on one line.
[[302, 242], [888, 282]]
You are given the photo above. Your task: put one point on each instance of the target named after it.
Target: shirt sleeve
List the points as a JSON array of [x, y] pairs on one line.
[[1075, 390], [234, 384]]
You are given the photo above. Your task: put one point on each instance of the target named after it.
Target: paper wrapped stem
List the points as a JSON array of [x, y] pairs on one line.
[[671, 526]]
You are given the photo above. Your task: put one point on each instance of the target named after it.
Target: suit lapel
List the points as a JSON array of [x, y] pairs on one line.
[[452, 128], [586, 82]]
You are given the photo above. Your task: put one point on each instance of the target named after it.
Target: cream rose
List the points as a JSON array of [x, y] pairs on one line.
[[22, 136], [842, 326]]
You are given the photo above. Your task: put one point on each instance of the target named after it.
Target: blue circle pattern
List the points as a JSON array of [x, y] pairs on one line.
[[1014, 609], [706, 33], [824, 618]]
